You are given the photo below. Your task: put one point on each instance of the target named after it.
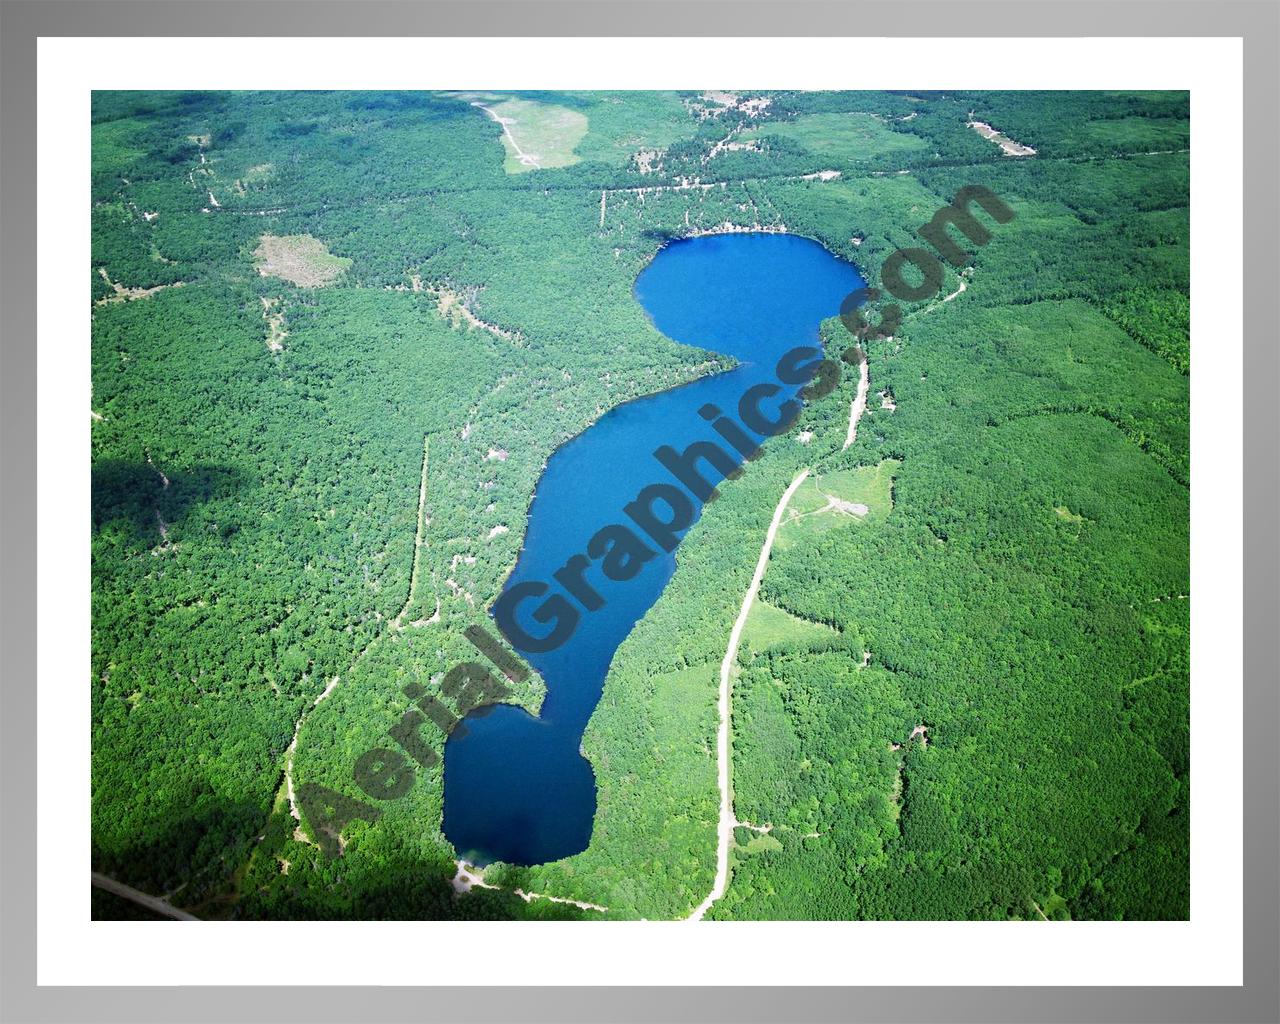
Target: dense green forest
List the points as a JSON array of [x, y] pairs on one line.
[[336, 337]]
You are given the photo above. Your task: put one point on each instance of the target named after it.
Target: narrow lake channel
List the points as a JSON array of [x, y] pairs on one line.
[[516, 787]]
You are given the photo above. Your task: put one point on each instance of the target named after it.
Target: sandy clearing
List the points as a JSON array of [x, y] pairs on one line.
[[727, 821], [847, 508], [729, 145], [719, 101], [729, 228], [529, 897], [1007, 144], [859, 404], [123, 294], [453, 308], [275, 325], [469, 877], [854, 509], [649, 160]]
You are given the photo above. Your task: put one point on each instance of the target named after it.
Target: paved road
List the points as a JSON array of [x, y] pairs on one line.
[[152, 903]]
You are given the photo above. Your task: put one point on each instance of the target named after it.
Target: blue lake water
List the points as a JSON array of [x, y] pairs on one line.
[[516, 788]]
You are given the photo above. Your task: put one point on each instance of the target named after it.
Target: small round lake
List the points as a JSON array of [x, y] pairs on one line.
[[516, 787]]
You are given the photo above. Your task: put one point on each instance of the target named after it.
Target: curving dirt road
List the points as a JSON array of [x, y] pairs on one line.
[[727, 820]]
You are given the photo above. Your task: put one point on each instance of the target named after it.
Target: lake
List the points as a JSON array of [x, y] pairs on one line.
[[516, 787]]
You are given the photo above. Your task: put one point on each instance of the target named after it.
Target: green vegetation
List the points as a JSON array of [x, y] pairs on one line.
[[846, 135], [768, 627], [835, 500], [1018, 578], [624, 124], [537, 134]]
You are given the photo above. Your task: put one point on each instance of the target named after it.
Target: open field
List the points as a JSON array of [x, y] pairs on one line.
[[848, 136], [835, 500], [537, 135]]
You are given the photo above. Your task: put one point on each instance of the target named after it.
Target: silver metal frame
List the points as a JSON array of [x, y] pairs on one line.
[[21, 23]]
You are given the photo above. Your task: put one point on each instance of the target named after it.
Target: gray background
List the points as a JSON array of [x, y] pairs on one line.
[[1258, 22]]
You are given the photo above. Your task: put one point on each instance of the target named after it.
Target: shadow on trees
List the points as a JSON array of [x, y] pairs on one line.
[[195, 851], [200, 860], [129, 495], [375, 886]]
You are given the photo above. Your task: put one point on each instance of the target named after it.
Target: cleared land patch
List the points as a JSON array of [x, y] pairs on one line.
[[769, 625], [831, 501], [124, 294], [631, 124], [1127, 134], [300, 259], [1008, 145], [537, 135], [850, 136]]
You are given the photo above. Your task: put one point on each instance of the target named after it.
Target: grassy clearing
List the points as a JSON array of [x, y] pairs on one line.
[[848, 136], [755, 842], [625, 123], [300, 259], [538, 135], [768, 626], [836, 500], [1132, 134]]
